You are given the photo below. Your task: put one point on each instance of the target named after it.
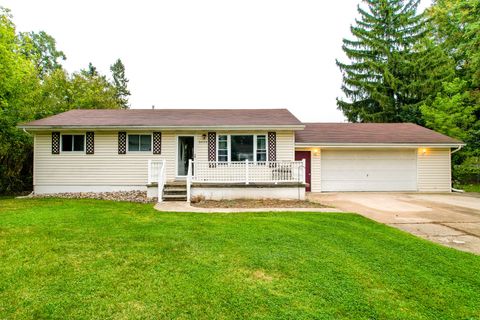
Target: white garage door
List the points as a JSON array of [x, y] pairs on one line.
[[369, 170]]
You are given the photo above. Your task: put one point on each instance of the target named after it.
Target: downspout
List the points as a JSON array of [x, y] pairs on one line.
[[458, 149]]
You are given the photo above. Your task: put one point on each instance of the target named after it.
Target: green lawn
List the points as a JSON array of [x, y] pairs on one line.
[[69, 259], [470, 187]]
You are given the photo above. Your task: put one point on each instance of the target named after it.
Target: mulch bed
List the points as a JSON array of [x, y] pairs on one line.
[[129, 196], [262, 203]]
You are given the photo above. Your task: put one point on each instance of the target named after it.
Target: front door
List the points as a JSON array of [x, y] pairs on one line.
[[299, 156], [185, 152]]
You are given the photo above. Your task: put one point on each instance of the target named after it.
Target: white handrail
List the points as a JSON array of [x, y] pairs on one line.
[[162, 178], [189, 179]]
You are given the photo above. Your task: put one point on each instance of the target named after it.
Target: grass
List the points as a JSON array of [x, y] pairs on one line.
[[90, 259], [470, 187]]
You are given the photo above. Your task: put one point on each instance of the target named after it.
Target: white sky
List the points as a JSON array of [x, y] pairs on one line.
[[208, 53]]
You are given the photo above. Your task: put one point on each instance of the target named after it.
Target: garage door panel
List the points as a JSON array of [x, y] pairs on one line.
[[369, 170]]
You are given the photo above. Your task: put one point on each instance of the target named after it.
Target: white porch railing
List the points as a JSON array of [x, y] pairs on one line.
[[247, 172], [157, 172]]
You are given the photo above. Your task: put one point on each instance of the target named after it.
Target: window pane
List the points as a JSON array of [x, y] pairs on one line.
[[222, 158], [67, 142], [222, 144], [133, 142], [145, 143], [261, 143], [78, 143], [242, 148], [261, 156]]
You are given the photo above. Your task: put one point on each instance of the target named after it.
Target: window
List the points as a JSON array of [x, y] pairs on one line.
[[261, 148], [139, 142], [241, 148], [73, 142], [223, 148]]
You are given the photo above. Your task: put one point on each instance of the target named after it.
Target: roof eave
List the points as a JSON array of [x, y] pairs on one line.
[[173, 128], [378, 145]]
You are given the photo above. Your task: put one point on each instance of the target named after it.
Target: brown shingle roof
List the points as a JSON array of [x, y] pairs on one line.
[[170, 117], [380, 133]]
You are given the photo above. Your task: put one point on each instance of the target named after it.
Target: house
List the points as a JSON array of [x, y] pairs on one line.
[[232, 153]]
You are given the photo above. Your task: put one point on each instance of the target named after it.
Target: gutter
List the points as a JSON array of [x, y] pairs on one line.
[[378, 145], [172, 128]]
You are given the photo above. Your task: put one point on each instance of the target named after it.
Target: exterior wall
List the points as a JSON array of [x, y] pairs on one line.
[[434, 170], [106, 170], [220, 193]]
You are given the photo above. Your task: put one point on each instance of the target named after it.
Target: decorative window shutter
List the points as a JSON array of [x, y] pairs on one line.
[[55, 142], [272, 146], [122, 143], [157, 143], [90, 142], [212, 146]]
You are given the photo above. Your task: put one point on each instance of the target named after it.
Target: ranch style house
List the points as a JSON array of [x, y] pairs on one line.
[[177, 154]]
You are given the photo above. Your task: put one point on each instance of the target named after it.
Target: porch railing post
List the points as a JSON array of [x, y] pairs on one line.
[[246, 172], [189, 179], [304, 169]]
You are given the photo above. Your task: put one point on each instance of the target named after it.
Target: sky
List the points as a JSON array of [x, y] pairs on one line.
[[208, 53]]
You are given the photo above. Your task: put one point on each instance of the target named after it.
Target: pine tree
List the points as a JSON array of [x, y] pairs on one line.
[[120, 83], [387, 79]]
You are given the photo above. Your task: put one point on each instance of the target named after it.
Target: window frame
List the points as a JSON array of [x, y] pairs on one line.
[[73, 134], [140, 134], [229, 146]]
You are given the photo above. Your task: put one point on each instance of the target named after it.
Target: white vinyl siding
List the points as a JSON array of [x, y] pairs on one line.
[[369, 170], [434, 170], [316, 171], [108, 168]]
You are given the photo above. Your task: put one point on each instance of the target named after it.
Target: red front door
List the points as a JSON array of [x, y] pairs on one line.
[[299, 156]]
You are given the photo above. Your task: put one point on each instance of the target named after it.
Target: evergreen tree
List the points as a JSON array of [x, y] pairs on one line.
[[120, 83], [91, 71], [394, 67]]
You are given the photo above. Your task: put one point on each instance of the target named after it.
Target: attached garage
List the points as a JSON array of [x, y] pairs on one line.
[[369, 170], [376, 157]]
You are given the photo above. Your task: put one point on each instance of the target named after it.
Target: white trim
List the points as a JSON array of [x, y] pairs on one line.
[[72, 151], [375, 145], [176, 152], [140, 151], [159, 128], [229, 145]]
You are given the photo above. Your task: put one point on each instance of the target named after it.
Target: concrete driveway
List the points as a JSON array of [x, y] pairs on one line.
[[451, 219]]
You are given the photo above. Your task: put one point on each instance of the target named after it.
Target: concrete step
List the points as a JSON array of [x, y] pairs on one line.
[[174, 197], [175, 193], [176, 183], [176, 189]]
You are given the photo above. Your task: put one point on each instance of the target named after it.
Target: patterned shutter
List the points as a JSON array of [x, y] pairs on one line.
[[122, 143], [212, 146], [272, 146], [157, 143], [90, 142], [55, 142]]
